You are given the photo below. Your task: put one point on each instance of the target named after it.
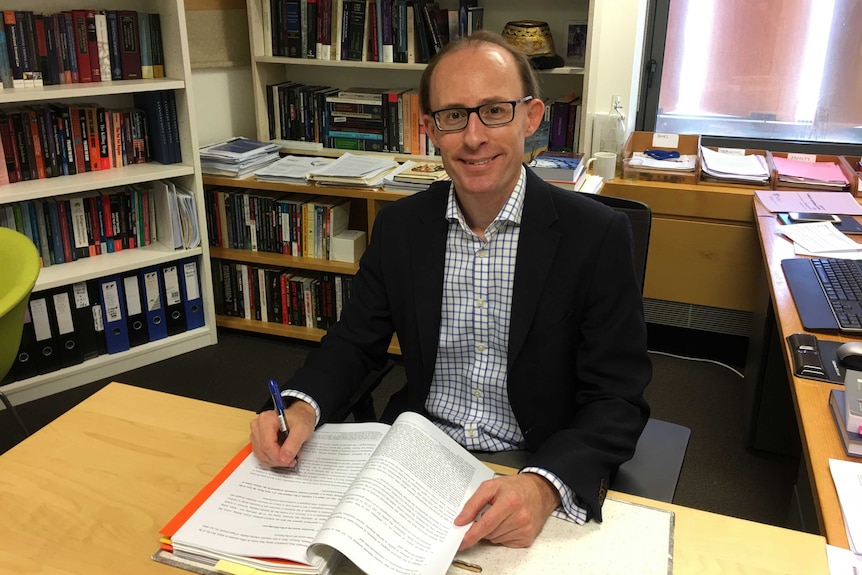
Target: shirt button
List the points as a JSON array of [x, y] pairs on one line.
[[477, 393], [481, 302], [480, 347], [471, 433], [482, 254]]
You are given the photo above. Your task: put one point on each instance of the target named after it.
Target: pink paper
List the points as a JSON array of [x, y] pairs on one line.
[[820, 171]]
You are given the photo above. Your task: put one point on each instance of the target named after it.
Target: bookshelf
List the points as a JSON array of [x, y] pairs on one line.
[[119, 94], [365, 204], [268, 69]]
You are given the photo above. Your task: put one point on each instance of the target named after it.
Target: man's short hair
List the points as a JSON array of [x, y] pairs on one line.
[[479, 37]]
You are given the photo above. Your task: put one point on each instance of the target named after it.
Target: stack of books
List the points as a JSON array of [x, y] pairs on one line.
[[565, 167], [415, 176], [851, 440], [237, 157]]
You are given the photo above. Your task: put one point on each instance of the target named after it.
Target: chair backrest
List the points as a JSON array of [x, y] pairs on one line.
[[640, 217], [19, 262]]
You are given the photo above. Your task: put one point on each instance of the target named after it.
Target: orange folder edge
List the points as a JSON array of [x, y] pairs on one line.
[[180, 518]]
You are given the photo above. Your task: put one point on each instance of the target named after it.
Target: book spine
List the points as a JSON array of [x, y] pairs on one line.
[[93, 47], [130, 52]]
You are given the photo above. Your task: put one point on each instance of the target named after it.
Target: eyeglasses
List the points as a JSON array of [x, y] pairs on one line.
[[492, 115]]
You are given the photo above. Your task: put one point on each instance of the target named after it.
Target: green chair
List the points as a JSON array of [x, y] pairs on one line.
[[19, 268]]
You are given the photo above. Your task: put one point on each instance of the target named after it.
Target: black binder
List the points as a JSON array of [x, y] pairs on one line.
[[47, 354], [68, 345], [84, 297], [26, 360], [136, 319], [174, 304], [97, 317]]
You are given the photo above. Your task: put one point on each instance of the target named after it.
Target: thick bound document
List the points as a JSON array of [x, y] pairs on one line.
[[851, 441], [383, 497]]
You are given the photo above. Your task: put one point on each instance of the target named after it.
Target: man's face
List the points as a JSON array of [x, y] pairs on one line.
[[481, 160]]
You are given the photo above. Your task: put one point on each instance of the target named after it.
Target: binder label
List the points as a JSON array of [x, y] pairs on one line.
[[41, 323], [64, 313], [98, 323], [190, 270], [172, 286], [82, 297], [111, 299], [133, 295], [151, 288]]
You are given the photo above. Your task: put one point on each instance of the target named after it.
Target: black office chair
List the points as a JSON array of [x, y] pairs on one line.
[[654, 470]]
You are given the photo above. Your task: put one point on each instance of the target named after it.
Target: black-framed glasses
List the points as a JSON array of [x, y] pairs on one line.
[[492, 115]]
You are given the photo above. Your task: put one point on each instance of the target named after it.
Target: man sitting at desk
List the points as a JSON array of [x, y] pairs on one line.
[[516, 306]]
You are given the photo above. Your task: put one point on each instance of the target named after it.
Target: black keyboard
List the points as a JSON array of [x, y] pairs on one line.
[[841, 281]]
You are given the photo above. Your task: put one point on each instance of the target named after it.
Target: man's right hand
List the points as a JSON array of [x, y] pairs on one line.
[[300, 417]]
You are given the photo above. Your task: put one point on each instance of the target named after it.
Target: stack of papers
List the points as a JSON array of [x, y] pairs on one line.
[[396, 181], [237, 157], [176, 215], [847, 476], [290, 169], [684, 163], [821, 239], [354, 171], [801, 174], [731, 167]]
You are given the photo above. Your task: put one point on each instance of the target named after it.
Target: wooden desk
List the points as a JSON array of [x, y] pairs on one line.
[[89, 492], [820, 440]]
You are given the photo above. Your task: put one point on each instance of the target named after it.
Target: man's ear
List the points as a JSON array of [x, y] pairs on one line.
[[430, 129], [535, 114]]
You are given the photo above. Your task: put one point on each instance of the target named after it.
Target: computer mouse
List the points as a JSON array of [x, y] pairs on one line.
[[850, 354]]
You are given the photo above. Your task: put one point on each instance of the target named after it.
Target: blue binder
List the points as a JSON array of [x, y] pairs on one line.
[[191, 286], [116, 329], [154, 303]]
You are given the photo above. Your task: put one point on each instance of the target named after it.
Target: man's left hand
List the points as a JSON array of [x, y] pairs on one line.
[[517, 508]]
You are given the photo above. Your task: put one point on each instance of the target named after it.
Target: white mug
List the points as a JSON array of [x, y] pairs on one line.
[[606, 165]]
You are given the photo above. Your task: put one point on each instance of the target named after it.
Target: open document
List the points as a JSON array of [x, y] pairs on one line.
[[384, 497]]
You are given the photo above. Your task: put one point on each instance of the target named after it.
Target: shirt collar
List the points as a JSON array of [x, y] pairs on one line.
[[512, 211]]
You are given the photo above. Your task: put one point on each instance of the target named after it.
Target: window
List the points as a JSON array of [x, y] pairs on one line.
[[766, 73]]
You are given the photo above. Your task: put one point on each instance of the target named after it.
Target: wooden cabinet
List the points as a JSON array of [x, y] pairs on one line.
[[703, 246], [118, 94]]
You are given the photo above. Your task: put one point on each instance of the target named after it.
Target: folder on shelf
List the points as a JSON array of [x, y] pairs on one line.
[[154, 305], [175, 309], [113, 314], [136, 321], [47, 355], [83, 298], [68, 345], [25, 362], [191, 286], [97, 315], [170, 232]]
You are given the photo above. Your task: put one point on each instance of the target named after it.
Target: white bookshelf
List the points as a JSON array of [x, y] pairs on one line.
[[186, 174]]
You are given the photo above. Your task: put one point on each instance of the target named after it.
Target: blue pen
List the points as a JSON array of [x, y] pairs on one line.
[[279, 409]]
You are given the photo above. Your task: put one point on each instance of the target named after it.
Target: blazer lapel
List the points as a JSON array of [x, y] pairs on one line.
[[537, 247], [428, 257]]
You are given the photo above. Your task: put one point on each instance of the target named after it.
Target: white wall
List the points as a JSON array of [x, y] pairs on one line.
[[616, 60], [223, 104]]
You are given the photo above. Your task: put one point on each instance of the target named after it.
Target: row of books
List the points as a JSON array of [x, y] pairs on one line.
[[291, 224], [71, 324], [563, 115], [403, 31], [69, 228], [54, 140], [79, 46], [363, 119], [286, 296]]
